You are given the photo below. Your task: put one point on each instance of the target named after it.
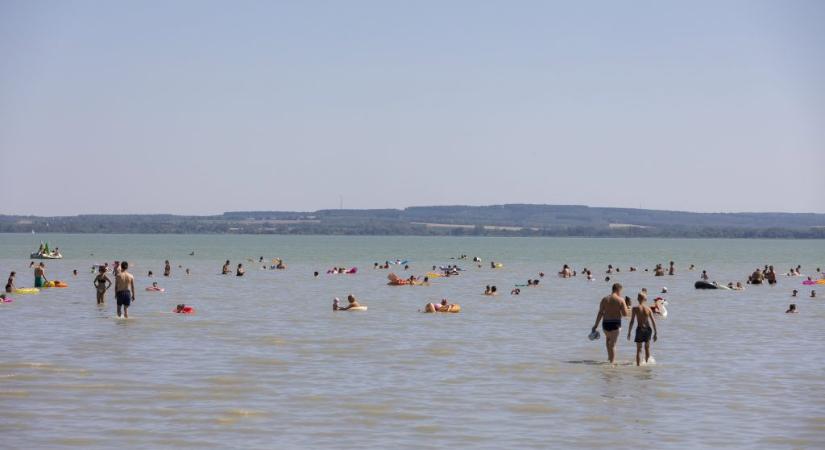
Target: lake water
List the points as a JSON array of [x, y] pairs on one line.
[[266, 363]]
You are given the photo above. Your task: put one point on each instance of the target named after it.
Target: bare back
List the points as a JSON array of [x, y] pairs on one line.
[[643, 314], [124, 281], [613, 307]]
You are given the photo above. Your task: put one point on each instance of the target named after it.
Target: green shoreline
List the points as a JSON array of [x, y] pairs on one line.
[[498, 220]]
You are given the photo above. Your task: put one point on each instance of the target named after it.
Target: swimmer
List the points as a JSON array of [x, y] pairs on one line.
[[315, 274], [705, 276], [167, 269], [10, 282], [770, 275], [353, 303], [791, 309], [644, 315], [150, 274], [183, 309], [187, 271], [40, 275], [225, 270], [102, 283], [794, 292], [443, 307], [659, 271], [611, 310], [672, 270], [756, 277], [240, 271], [813, 294], [515, 291], [74, 273], [739, 286], [124, 290]]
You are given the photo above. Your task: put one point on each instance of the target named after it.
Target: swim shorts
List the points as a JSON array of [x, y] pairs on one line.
[[611, 325], [39, 282], [124, 298], [643, 334]]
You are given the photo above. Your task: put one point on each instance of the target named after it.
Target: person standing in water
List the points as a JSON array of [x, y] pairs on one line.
[[167, 269], [643, 331], [226, 270], [40, 275], [102, 284], [611, 310], [124, 290], [240, 271]]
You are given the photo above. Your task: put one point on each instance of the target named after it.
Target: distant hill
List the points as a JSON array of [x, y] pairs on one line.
[[496, 220]]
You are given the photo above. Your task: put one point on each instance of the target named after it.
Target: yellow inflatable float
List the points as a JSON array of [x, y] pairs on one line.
[[24, 291]]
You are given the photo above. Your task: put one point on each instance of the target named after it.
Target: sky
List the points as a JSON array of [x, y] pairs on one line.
[[200, 107]]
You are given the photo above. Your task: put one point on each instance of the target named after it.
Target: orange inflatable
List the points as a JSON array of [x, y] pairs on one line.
[[184, 310]]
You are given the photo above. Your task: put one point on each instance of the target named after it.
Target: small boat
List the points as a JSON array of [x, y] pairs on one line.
[[45, 253], [46, 256]]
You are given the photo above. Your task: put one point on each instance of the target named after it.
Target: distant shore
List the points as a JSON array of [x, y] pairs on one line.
[[499, 220]]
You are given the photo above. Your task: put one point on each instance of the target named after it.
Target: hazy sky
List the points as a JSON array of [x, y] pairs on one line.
[[203, 107]]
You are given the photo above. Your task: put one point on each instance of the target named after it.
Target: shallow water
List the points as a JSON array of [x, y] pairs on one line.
[[265, 362]]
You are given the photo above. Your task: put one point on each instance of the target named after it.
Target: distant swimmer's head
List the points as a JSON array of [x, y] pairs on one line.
[[641, 298], [180, 307], [791, 308], [351, 298], [617, 287], [101, 269], [124, 265], [664, 290], [443, 302], [155, 284]]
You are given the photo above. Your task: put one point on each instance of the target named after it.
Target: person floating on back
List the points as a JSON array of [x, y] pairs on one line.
[[643, 331]]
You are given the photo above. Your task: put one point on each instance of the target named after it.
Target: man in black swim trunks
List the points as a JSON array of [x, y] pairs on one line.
[[612, 308], [124, 289], [643, 331]]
